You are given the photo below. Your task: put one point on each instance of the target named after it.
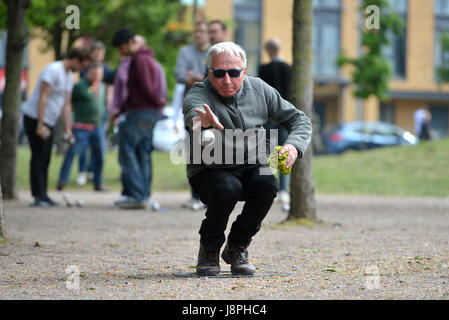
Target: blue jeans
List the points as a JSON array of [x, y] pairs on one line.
[[283, 182], [84, 139], [83, 155], [135, 146]]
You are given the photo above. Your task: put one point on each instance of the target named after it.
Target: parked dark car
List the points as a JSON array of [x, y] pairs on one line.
[[361, 135]]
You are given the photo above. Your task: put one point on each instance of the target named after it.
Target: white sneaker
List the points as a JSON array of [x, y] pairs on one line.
[[81, 180], [193, 204], [121, 199], [130, 203], [197, 205], [284, 197]]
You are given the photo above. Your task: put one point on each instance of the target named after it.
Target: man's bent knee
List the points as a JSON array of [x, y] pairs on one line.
[[266, 186], [229, 188]]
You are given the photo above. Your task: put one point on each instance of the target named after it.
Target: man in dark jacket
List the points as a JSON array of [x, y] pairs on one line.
[[277, 73], [146, 98], [238, 106]]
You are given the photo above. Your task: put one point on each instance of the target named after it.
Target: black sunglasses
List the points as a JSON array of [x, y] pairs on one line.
[[220, 73]]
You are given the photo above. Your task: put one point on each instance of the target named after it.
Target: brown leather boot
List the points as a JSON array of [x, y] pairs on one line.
[[237, 257], [208, 262]]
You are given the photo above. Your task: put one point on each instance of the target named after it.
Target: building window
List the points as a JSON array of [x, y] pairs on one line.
[[387, 112], [442, 7], [247, 32], [326, 37], [441, 27], [439, 122], [320, 112], [395, 52]]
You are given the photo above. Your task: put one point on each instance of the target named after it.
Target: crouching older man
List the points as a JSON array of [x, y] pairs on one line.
[[229, 100]]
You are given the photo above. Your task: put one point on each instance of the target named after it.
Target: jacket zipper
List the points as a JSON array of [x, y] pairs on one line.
[[240, 114], [244, 127]]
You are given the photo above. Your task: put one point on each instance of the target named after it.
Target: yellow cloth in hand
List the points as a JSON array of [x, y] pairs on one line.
[[275, 158]]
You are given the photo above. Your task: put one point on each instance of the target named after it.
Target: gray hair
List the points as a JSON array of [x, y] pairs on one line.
[[229, 48], [94, 65], [97, 45]]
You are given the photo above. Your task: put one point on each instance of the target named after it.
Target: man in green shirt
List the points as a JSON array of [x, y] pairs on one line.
[[88, 100]]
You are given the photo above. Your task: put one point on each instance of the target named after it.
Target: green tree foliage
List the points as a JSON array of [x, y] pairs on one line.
[[443, 71], [149, 19], [372, 71], [100, 19]]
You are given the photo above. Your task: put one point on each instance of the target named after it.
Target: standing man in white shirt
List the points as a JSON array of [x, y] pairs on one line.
[[49, 100]]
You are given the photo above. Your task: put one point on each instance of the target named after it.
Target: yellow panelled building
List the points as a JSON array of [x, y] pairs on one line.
[[414, 56]]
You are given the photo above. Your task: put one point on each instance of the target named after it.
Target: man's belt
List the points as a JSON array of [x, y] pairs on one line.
[[83, 126]]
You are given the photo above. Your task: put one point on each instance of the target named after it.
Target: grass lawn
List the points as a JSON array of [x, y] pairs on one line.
[[421, 170], [166, 176]]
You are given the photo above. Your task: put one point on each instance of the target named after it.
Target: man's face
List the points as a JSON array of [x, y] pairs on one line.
[[98, 55], [216, 33], [226, 86], [200, 36], [125, 49], [95, 75], [76, 65]]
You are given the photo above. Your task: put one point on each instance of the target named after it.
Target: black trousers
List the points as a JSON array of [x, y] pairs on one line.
[[40, 157], [194, 194], [221, 190]]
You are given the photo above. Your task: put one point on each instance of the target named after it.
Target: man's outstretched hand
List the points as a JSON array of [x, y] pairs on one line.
[[206, 119]]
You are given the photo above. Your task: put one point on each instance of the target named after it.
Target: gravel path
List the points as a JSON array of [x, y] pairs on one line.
[[137, 254]]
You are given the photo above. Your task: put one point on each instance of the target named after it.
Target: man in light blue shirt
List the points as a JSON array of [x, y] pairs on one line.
[[191, 68]]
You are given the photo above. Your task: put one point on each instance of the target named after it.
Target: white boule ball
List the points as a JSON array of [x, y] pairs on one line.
[[80, 203], [207, 137]]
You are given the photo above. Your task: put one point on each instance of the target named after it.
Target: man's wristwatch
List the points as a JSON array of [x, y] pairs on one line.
[[40, 124]]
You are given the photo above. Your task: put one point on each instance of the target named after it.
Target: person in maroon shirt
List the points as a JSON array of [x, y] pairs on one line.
[[144, 104]]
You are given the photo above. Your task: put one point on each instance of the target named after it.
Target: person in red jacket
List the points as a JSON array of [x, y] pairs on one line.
[[144, 104]]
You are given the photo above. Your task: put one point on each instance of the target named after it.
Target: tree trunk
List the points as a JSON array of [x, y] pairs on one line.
[[16, 42], [303, 204], [72, 38], [56, 34], [2, 217]]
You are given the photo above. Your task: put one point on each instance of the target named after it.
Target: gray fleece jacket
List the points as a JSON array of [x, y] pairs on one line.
[[249, 109]]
